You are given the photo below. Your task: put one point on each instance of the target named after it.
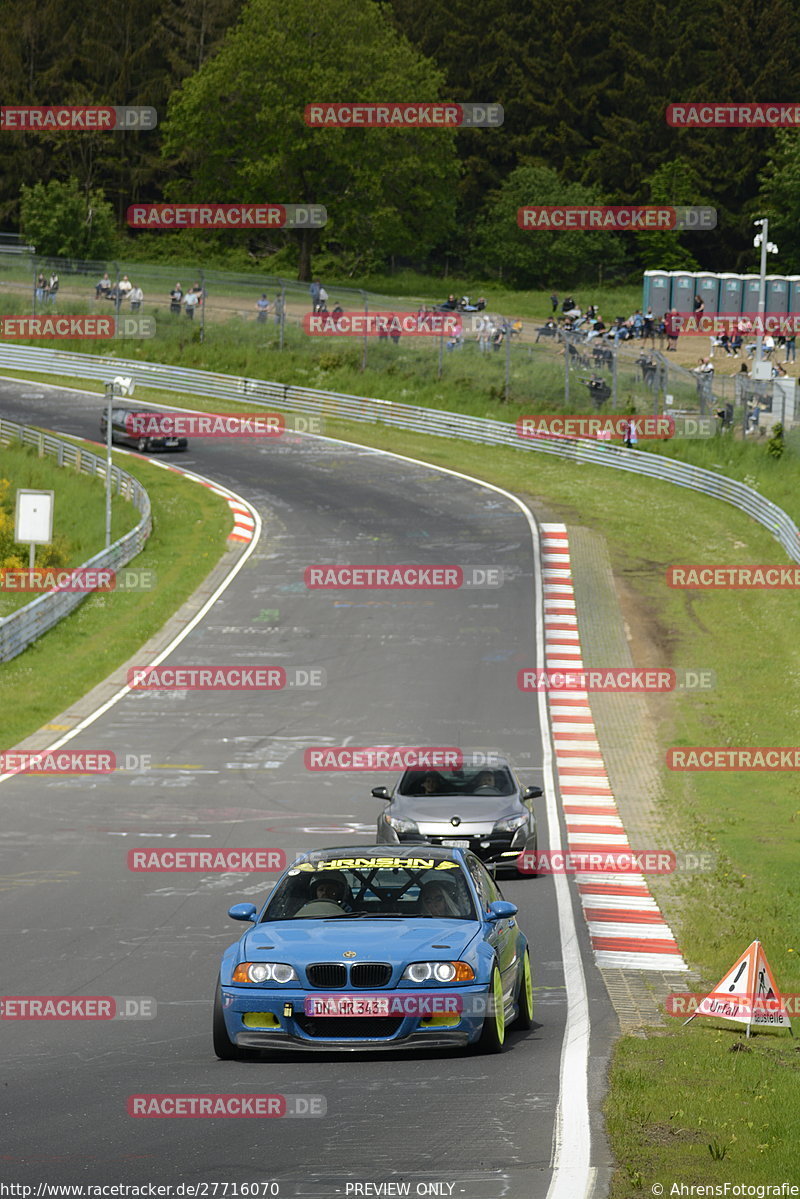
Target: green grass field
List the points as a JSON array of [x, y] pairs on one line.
[[78, 514], [190, 527]]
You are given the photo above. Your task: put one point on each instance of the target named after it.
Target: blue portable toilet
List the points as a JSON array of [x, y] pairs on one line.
[[682, 292], [656, 291], [730, 293], [752, 284], [794, 292], [777, 294], [707, 288]]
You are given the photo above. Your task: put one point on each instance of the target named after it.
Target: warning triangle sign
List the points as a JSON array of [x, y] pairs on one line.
[[748, 994]]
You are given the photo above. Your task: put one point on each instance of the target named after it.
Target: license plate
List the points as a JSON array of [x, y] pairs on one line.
[[457, 844], [347, 1005]]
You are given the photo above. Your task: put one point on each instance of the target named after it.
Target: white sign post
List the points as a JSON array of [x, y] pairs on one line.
[[34, 519]]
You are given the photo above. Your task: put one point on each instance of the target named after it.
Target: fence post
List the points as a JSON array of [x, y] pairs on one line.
[[203, 299], [366, 314], [508, 359]]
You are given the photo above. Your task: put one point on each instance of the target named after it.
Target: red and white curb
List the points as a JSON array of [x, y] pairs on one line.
[[626, 927], [244, 517]]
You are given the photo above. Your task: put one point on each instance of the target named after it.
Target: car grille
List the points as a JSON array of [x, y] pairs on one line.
[[327, 974], [339, 1028], [370, 974]]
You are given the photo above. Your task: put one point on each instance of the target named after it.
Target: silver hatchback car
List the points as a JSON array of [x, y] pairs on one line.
[[478, 807]]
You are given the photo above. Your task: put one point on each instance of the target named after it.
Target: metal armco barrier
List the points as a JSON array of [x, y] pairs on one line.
[[437, 423], [21, 628]]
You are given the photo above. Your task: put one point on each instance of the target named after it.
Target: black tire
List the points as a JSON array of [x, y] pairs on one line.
[[493, 1033], [142, 444], [524, 1018], [224, 1047]]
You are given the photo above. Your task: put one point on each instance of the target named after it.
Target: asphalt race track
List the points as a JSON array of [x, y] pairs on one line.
[[401, 668]]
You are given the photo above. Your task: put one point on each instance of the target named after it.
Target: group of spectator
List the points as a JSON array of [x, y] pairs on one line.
[[46, 289], [451, 304], [264, 306], [105, 289], [190, 300]]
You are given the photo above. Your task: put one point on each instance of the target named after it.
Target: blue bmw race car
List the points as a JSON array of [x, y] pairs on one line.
[[375, 948]]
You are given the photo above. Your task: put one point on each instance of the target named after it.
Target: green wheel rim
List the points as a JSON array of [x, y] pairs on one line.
[[499, 1010], [527, 982]]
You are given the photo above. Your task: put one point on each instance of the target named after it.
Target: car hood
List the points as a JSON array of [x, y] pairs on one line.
[[472, 809], [380, 939]]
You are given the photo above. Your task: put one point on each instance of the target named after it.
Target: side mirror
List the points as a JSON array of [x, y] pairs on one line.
[[532, 793], [501, 910], [243, 911], [381, 793]]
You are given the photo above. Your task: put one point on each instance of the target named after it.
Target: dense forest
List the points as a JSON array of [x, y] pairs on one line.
[[584, 91]]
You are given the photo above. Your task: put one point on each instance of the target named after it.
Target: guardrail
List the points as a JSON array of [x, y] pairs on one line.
[[435, 422], [19, 629]]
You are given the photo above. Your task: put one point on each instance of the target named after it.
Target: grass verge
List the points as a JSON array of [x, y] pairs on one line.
[[78, 515], [190, 527]]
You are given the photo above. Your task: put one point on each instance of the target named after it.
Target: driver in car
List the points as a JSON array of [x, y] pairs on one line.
[[436, 899], [332, 886], [486, 779]]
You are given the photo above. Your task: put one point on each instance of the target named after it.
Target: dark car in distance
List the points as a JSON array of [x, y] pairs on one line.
[[139, 428]]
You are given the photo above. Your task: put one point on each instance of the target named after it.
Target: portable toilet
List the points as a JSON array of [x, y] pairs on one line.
[[707, 288], [656, 291], [793, 282], [752, 283], [682, 292], [730, 293], [777, 294]]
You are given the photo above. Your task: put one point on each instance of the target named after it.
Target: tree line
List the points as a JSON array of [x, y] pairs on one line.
[[584, 93]]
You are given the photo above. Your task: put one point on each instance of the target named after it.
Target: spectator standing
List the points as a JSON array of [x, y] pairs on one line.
[[631, 437], [671, 329], [789, 342], [263, 307], [136, 296], [699, 306], [278, 309], [176, 299], [314, 288], [191, 302], [554, 301], [52, 288], [648, 328], [40, 286], [322, 300]]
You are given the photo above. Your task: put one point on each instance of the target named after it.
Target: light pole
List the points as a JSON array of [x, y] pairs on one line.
[[761, 369], [119, 387]]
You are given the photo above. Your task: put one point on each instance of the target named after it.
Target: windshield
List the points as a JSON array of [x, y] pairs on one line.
[[494, 781], [424, 888]]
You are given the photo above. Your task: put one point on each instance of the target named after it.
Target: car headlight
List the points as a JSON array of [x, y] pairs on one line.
[[510, 824], [440, 972], [264, 972], [400, 826]]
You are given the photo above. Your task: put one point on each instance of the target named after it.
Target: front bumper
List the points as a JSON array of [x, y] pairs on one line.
[[285, 1029], [501, 849]]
